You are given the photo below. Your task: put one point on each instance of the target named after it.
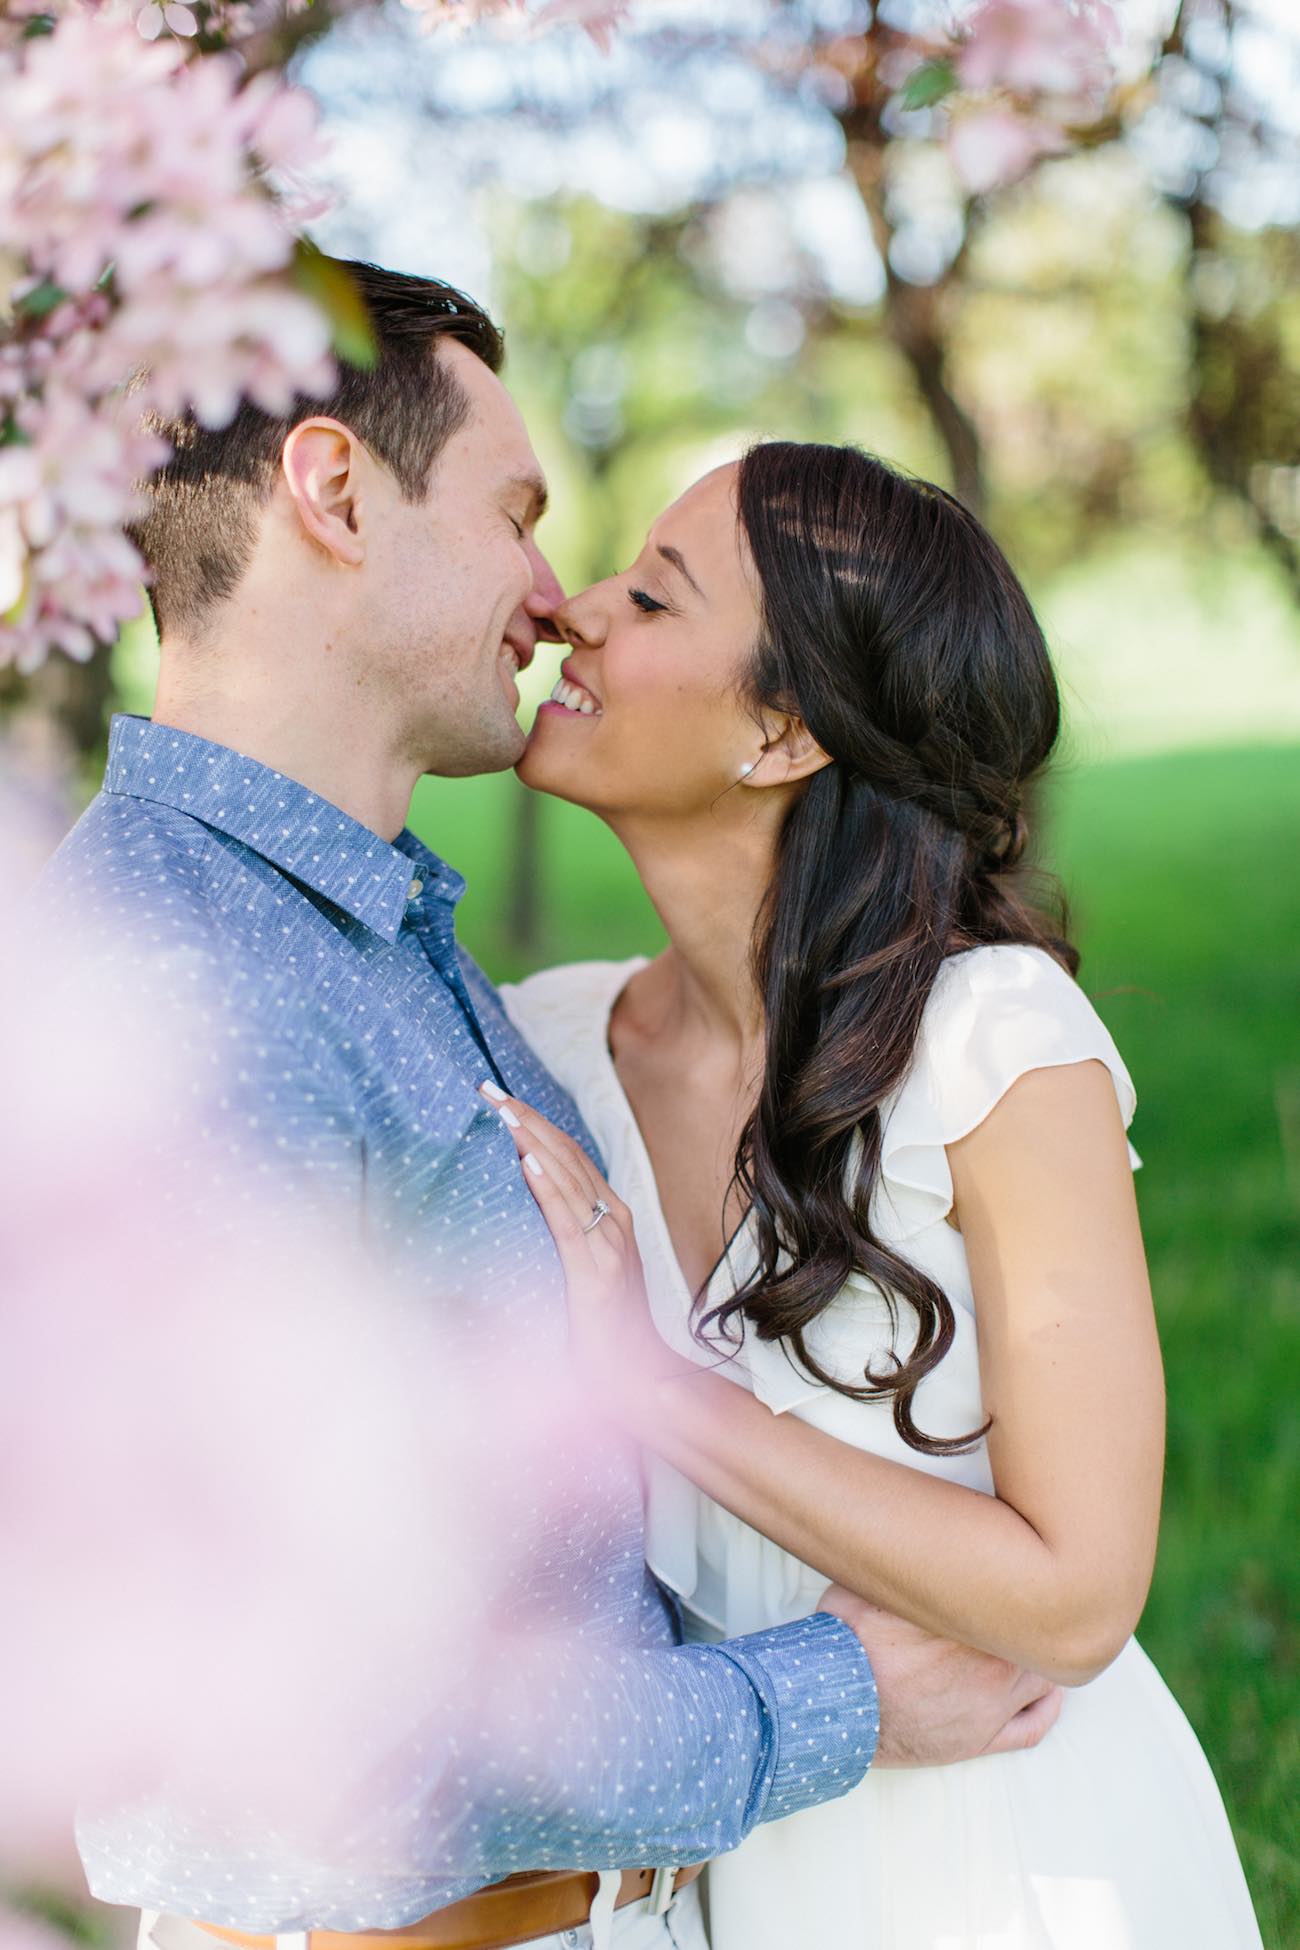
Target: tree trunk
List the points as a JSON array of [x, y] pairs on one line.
[[73, 700], [915, 314], [1240, 417]]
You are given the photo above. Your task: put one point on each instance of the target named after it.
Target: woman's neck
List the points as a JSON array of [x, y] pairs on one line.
[[707, 885]]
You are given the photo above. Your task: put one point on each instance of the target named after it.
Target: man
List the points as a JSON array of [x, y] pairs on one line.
[[344, 599]]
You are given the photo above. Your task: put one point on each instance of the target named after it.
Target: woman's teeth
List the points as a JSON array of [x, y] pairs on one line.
[[574, 698]]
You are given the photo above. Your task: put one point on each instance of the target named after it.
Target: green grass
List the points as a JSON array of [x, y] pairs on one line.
[[1186, 898], [1187, 904]]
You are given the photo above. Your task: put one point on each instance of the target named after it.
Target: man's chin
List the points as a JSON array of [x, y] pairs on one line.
[[498, 751]]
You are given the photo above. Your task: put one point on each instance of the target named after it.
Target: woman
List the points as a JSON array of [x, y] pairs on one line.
[[857, 1104]]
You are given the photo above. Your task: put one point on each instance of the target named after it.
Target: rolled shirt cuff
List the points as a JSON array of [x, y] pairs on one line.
[[819, 1695]]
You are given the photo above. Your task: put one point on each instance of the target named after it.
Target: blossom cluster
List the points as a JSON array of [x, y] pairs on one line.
[[139, 240], [1014, 81], [598, 18]]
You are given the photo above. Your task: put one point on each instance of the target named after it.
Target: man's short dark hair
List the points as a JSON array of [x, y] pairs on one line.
[[201, 528]]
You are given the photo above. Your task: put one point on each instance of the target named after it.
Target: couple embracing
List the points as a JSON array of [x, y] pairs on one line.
[[836, 1190]]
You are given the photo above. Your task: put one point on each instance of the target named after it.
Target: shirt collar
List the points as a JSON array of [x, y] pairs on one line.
[[296, 830]]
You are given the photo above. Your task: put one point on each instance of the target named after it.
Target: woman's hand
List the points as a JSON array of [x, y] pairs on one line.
[[611, 1332]]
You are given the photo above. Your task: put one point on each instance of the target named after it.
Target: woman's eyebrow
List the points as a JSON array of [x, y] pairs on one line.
[[674, 556]]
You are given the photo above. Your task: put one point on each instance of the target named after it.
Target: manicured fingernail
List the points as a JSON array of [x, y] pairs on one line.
[[507, 1116], [494, 1091], [534, 1165]]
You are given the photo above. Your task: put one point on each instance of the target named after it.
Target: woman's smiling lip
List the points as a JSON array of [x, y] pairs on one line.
[[571, 696], [571, 676]]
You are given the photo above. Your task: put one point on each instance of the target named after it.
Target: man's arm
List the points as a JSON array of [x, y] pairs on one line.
[[621, 1759], [673, 1755]]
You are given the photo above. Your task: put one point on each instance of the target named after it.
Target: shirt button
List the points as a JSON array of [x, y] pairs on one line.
[[415, 890]]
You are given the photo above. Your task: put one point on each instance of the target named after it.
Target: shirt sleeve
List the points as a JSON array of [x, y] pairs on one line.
[[637, 1758], [657, 1756]]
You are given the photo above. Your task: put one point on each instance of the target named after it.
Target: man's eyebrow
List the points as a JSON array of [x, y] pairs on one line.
[[535, 488], [674, 556]]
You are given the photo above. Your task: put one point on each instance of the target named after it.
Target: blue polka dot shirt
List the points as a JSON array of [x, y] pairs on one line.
[[351, 1039]]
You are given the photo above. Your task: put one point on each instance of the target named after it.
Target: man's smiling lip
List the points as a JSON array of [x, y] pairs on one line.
[[522, 653]]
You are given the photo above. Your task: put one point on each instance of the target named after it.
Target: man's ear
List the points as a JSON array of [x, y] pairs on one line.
[[322, 464], [790, 752]]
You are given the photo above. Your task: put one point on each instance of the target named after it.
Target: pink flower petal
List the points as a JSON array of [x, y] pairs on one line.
[[990, 148]]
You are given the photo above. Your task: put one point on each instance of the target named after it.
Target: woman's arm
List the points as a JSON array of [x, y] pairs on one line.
[[1053, 1572]]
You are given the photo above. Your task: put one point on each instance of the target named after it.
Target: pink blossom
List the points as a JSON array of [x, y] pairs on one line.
[[115, 152], [206, 350], [154, 20], [13, 558], [71, 170], [598, 18], [459, 16], [1038, 47], [111, 151], [64, 494], [991, 147], [20, 1931], [77, 470]]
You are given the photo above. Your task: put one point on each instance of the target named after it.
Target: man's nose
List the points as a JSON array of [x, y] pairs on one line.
[[544, 598]]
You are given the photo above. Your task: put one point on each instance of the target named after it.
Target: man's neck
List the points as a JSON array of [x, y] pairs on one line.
[[353, 767]]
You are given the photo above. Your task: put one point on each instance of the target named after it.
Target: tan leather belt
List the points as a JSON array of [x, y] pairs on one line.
[[517, 1910]]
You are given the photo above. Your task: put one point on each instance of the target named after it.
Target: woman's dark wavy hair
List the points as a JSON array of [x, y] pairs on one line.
[[892, 624]]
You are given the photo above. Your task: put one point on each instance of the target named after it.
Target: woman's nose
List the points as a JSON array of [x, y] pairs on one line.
[[584, 618]]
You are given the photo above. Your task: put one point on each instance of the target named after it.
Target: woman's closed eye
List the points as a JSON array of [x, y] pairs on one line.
[[647, 604]]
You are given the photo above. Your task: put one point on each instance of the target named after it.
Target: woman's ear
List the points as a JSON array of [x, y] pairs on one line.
[[789, 752], [321, 462]]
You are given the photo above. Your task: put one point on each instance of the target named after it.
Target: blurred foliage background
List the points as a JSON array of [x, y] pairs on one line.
[[721, 232]]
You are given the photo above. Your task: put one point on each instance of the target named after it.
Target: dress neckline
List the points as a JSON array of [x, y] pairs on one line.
[[685, 1295], [644, 1161], [767, 1368]]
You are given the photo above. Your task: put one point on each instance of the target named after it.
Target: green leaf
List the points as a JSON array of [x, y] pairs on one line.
[[928, 84], [40, 302], [329, 285]]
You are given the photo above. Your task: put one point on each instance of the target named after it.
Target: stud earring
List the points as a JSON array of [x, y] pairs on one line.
[[745, 770]]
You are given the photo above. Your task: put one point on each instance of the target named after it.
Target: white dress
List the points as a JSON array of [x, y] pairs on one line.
[[1111, 1835]]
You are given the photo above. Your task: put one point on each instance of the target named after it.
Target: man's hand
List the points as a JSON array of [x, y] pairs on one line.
[[941, 1702]]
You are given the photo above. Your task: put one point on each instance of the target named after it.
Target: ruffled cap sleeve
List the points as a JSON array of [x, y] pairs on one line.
[[995, 1013]]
